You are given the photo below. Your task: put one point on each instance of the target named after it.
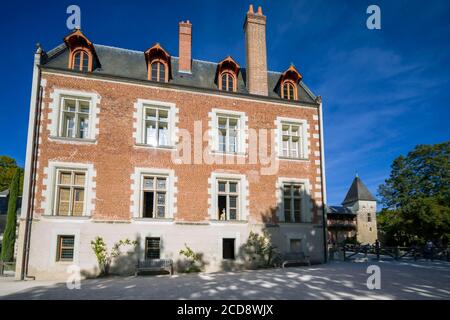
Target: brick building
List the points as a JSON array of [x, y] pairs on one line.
[[168, 151]]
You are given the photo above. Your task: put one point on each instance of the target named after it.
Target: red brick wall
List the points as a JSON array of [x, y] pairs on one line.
[[185, 46], [115, 155]]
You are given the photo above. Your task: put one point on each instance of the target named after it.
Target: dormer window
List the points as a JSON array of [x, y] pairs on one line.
[[81, 61], [82, 56], [227, 71], [158, 71], [289, 84], [158, 64], [228, 81], [289, 90]]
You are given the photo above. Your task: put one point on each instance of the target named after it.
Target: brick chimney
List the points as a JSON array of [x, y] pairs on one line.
[[185, 47], [255, 45]]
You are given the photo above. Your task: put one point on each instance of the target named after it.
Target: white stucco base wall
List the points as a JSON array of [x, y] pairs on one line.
[[202, 238]]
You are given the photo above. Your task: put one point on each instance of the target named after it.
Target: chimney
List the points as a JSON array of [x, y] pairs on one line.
[[185, 47], [255, 46]]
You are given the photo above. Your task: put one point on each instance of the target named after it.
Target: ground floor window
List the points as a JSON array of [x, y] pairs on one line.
[[65, 250], [152, 248], [292, 201], [296, 245], [228, 249]]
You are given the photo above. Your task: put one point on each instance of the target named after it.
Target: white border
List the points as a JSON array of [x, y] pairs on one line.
[[55, 111], [136, 178], [138, 120], [306, 198], [50, 183], [306, 144]]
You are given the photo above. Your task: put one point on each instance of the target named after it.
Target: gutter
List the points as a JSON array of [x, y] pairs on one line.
[[26, 214], [323, 181]]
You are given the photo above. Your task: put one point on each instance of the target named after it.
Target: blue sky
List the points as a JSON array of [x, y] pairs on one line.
[[384, 91]]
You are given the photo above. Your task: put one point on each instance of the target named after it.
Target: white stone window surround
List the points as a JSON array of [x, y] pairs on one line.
[[55, 107], [306, 207], [139, 121], [137, 199], [243, 195], [242, 144], [54, 246], [305, 142], [49, 202]]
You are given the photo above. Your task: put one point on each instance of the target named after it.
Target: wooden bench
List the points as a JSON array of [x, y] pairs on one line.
[[295, 257], [154, 265]]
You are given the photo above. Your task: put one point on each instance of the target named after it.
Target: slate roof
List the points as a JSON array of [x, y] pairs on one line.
[[131, 64], [358, 191], [339, 210]]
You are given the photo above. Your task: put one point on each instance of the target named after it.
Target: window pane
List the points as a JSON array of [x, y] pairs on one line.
[[77, 61], [222, 207], [163, 134], [233, 202], [79, 179], [65, 178], [84, 127], [295, 130], [161, 198], [163, 115], [285, 129], [147, 210], [233, 123], [291, 92], [150, 114], [150, 136], [161, 184], [85, 62], [222, 186], [233, 187], [222, 123], [63, 202], [69, 105], [84, 106], [297, 210], [155, 71], [285, 91], [69, 125], [297, 190], [287, 210], [78, 205], [161, 211], [224, 81], [148, 183], [233, 214], [230, 83], [162, 72], [287, 190]]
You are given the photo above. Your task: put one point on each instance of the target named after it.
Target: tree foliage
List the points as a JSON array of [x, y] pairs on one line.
[[416, 197], [8, 168], [9, 236]]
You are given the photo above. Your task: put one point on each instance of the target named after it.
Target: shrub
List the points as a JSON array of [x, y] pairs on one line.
[[104, 258]]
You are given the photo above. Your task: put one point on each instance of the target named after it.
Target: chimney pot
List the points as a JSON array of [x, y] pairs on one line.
[[260, 10], [250, 9]]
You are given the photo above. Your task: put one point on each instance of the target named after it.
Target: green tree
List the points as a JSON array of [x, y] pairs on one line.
[[8, 167], [416, 197], [9, 236]]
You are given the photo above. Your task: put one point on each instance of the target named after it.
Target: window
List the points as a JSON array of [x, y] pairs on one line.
[[70, 193], [158, 71], [295, 245], [154, 197], [289, 91], [228, 249], [369, 217], [156, 126], [292, 202], [292, 140], [227, 200], [227, 82], [80, 61], [65, 248], [228, 129], [75, 118], [152, 248]]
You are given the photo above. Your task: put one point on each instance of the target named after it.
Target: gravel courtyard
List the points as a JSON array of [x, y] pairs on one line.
[[337, 280]]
